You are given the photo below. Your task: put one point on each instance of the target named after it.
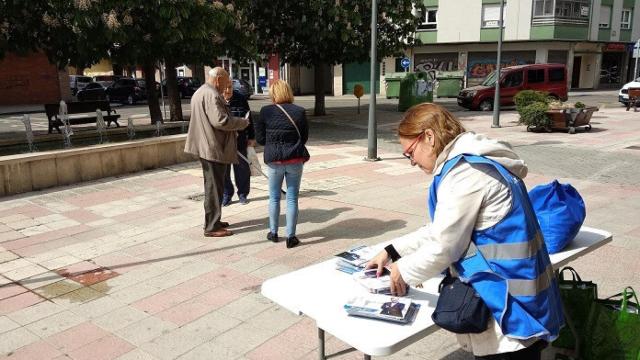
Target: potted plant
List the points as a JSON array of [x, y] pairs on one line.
[[541, 113]]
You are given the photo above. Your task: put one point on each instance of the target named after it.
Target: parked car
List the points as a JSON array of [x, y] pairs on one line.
[[243, 87], [127, 91], [93, 91], [106, 80], [623, 94], [78, 82], [186, 85], [550, 78]]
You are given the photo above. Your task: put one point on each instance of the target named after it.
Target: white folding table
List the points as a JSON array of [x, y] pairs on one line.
[[320, 291]]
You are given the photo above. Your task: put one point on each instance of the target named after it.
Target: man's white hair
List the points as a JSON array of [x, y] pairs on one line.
[[217, 71]]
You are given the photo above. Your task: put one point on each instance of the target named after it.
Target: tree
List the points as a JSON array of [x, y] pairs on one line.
[[328, 32]]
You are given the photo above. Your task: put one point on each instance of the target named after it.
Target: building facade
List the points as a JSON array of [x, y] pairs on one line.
[[594, 38]]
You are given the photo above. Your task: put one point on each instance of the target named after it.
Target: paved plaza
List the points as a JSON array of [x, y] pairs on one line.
[[119, 268]]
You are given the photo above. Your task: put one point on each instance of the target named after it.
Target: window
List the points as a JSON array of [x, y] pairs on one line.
[[625, 22], [513, 79], [543, 8], [535, 76], [556, 74], [429, 20], [605, 17], [491, 15]]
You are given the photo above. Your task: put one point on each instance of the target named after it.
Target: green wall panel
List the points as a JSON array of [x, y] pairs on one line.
[[358, 73], [628, 4], [606, 2], [541, 32], [604, 35], [492, 2], [489, 34], [428, 37], [430, 3], [625, 35]]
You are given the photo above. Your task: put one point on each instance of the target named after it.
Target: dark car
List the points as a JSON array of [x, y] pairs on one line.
[[78, 82], [243, 87], [93, 91], [186, 85], [106, 80], [127, 91]]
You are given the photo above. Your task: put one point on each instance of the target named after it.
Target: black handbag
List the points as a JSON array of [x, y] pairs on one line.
[[460, 309]]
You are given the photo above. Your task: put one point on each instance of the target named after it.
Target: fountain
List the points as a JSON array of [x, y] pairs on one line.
[[100, 126], [26, 119], [131, 131], [66, 129]]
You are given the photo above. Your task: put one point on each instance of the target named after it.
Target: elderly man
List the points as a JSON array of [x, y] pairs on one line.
[[212, 137]]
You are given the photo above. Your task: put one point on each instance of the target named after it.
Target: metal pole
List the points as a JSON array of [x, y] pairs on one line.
[[496, 99], [372, 154], [636, 52]]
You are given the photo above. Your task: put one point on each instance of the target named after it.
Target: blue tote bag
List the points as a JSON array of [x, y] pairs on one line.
[[560, 211]]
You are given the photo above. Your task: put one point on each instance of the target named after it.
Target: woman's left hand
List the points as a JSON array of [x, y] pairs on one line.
[[251, 143], [398, 286]]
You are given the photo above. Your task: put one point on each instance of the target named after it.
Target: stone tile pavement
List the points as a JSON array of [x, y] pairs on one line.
[[119, 269]]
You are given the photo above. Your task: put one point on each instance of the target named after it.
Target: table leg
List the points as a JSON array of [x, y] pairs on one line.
[[321, 354]]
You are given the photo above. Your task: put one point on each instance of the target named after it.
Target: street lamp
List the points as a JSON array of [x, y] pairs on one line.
[[496, 98], [372, 146]]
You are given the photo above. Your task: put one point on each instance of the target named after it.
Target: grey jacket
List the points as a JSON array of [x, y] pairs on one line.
[[212, 129]]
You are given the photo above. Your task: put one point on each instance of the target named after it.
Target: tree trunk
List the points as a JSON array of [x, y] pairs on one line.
[[152, 94], [173, 94], [318, 72], [197, 71]]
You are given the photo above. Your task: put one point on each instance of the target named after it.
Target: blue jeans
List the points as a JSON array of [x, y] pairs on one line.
[[293, 175]]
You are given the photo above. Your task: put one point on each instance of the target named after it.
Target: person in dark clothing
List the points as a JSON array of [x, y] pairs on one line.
[[241, 171], [283, 130]]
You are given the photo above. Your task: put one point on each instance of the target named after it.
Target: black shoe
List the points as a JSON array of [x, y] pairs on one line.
[[292, 242], [272, 237], [243, 199], [226, 201]]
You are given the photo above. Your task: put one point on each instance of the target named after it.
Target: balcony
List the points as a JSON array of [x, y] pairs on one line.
[[561, 12]]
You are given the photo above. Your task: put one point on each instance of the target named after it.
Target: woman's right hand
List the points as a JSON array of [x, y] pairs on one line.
[[379, 262]]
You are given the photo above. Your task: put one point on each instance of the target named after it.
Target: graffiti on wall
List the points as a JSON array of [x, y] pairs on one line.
[[480, 65], [432, 63]]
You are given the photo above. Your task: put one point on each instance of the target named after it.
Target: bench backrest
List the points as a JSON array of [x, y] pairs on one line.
[[77, 107]]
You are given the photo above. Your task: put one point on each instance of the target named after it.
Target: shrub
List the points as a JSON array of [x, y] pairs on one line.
[[580, 105], [535, 115], [527, 97]]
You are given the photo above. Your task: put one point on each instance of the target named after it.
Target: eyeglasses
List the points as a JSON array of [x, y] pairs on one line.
[[410, 150]]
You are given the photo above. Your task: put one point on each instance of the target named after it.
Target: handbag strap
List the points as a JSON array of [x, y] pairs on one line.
[[290, 119], [627, 294], [574, 274]]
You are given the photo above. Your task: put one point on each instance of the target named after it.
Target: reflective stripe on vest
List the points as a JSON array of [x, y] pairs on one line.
[[508, 264]]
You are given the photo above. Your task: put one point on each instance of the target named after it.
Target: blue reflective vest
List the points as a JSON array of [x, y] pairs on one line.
[[508, 264]]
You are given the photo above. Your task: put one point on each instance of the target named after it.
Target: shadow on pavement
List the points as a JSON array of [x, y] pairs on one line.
[[360, 228]]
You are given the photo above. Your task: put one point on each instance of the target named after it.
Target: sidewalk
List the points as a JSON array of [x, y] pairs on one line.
[[119, 269]]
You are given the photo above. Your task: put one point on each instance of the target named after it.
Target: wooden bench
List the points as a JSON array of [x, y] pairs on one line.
[[79, 107]]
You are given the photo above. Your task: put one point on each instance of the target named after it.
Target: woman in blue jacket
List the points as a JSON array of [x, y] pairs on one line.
[[282, 129], [483, 230]]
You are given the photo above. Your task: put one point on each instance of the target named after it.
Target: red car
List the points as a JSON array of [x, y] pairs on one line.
[[550, 78]]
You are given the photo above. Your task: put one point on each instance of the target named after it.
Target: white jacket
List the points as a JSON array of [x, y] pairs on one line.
[[470, 197]]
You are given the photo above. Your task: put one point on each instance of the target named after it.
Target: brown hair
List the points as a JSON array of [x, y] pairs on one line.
[[422, 117], [280, 92]]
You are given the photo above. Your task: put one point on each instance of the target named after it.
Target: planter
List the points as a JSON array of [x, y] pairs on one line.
[[568, 120]]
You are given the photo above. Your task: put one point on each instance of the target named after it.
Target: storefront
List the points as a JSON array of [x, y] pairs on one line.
[[612, 68]]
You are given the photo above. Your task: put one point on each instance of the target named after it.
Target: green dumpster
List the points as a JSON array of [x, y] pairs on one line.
[[415, 88], [392, 84], [449, 83]]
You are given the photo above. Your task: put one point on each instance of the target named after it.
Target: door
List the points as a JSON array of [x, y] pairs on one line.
[[536, 80], [511, 84], [245, 74], [575, 74]]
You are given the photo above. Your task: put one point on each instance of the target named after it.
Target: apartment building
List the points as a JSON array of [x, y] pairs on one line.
[[594, 38]]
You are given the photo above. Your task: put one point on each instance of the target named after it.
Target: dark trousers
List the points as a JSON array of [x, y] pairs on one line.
[[533, 352], [213, 189], [241, 172]]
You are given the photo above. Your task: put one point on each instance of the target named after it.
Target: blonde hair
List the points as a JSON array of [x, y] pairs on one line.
[[280, 92], [422, 117]]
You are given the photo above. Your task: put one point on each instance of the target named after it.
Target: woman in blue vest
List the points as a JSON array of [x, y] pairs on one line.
[[483, 230]]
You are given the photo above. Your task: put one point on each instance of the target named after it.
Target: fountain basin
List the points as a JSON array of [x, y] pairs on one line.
[[22, 173]]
